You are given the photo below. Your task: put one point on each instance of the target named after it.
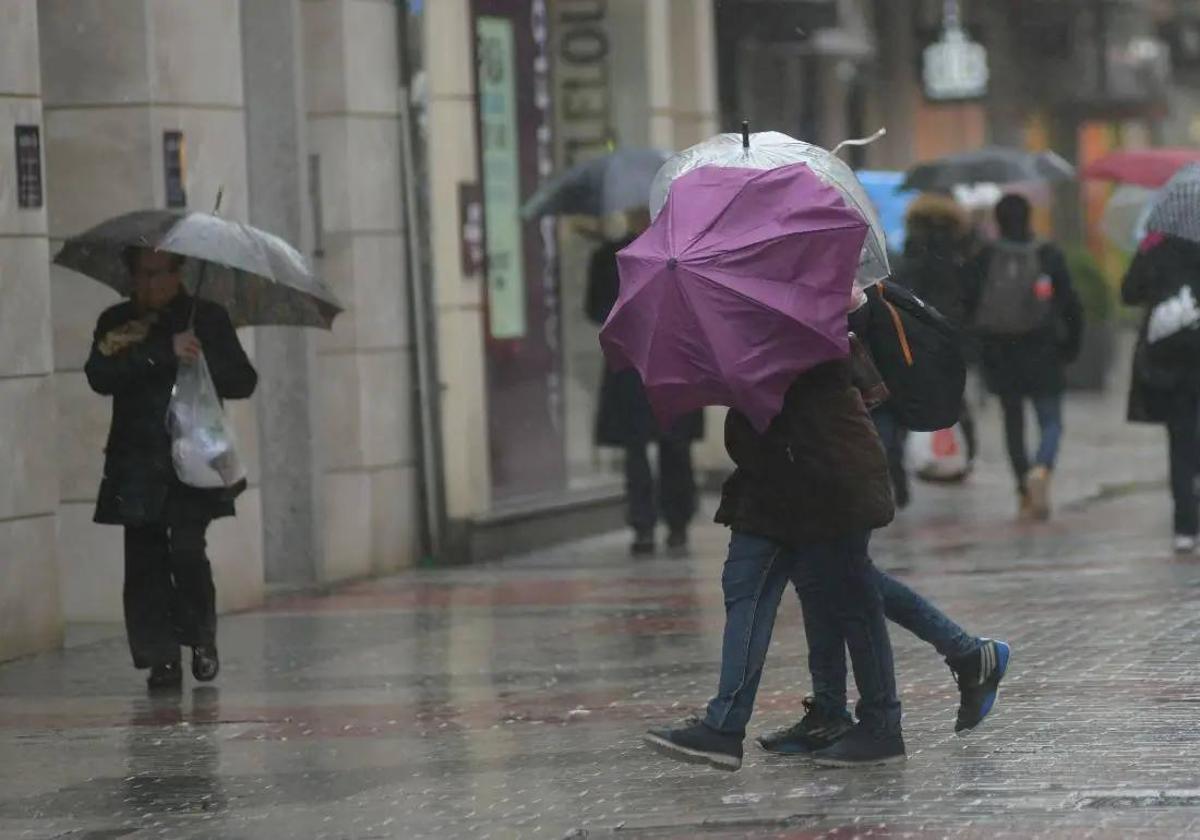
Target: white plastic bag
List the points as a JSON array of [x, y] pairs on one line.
[[203, 447], [938, 456]]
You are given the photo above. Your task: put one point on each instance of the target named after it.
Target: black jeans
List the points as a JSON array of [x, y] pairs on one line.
[[170, 599], [676, 496], [1183, 437]]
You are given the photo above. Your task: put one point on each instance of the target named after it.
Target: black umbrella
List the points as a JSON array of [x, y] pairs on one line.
[[610, 184], [990, 165]]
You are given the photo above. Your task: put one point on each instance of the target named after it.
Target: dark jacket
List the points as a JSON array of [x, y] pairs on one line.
[[935, 251], [623, 415], [139, 484], [1033, 364], [1161, 267], [819, 472]]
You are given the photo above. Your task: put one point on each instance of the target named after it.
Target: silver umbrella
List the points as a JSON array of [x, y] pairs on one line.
[[1176, 211], [771, 149], [610, 184], [255, 275]]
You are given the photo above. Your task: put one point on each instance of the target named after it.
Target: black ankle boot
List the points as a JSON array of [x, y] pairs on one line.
[[166, 676], [205, 663]]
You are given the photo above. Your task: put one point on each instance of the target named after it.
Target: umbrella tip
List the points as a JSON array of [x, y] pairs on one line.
[[745, 134]]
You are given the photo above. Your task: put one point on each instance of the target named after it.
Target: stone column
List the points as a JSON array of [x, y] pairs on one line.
[[277, 192], [30, 612], [365, 394], [453, 160], [116, 75]]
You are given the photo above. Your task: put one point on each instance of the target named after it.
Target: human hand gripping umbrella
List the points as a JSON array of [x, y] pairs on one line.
[[740, 284]]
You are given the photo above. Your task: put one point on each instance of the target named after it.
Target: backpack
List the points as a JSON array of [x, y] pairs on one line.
[[919, 355], [1017, 296]]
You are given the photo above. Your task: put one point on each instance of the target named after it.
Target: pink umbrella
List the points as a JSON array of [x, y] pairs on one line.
[[1144, 167], [740, 285]]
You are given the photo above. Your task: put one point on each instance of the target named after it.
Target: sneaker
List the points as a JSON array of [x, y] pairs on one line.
[[643, 544], [978, 675], [1185, 544], [205, 663], [695, 742], [1038, 482], [815, 731], [166, 676], [677, 541], [862, 748]]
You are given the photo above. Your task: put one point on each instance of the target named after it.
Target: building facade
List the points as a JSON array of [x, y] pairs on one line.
[[447, 416]]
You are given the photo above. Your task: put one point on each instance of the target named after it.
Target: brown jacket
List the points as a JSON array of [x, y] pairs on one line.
[[819, 471]]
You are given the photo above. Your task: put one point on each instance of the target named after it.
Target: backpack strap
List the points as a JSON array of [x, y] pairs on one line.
[[899, 324]]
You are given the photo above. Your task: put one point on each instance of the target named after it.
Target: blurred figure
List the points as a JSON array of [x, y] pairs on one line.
[[936, 247], [1030, 324], [624, 420], [1166, 379], [138, 345]]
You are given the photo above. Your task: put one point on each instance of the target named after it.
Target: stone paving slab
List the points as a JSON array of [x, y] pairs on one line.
[[508, 700]]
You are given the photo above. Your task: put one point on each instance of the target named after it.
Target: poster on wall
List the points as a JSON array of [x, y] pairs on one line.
[[501, 176]]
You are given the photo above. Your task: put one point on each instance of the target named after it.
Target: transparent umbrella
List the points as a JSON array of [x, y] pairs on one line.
[[1176, 210], [770, 150], [1126, 214]]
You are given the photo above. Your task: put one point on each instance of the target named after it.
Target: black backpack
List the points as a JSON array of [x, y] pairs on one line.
[[919, 355]]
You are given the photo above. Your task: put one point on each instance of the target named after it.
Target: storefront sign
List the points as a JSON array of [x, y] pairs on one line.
[[501, 177], [29, 167], [174, 168], [582, 78], [955, 67]]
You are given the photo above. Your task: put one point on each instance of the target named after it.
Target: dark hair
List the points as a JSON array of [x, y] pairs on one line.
[[1012, 217], [129, 256]]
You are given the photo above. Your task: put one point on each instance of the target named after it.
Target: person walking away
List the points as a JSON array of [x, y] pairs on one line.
[[1029, 323], [1165, 387], [169, 597], [937, 246], [806, 493], [624, 421]]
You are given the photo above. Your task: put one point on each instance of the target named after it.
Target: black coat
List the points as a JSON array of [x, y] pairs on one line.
[[1033, 364], [139, 484], [1158, 271], [818, 473], [623, 414]]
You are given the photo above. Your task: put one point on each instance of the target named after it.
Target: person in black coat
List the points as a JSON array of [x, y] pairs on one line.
[[138, 345], [1026, 363], [624, 420], [1165, 388]]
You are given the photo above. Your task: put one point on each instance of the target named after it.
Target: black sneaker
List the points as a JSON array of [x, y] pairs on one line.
[[205, 663], [697, 743], [643, 544], [861, 747], [166, 676], [815, 731], [978, 675]]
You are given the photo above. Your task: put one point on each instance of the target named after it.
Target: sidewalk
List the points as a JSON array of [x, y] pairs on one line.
[[507, 700]]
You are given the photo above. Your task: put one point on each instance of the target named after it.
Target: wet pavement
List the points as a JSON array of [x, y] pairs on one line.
[[507, 701]]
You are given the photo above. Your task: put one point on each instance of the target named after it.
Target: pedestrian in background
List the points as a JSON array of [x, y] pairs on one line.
[[624, 421], [169, 597], [1165, 388], [1029, 323]]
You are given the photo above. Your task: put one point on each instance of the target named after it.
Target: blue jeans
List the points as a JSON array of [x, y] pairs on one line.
[[1048, 408], [827, 649], [839, 577]]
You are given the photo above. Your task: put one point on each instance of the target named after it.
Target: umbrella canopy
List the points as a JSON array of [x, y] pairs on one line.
[[1150, 168], [609, 184], [994, 165], [740, 284], [1126, 214], [1176, 211], [771, 149], [258, 277]]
